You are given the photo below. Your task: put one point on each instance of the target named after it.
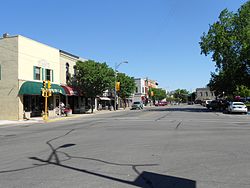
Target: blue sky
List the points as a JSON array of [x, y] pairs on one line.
[[159, 38]]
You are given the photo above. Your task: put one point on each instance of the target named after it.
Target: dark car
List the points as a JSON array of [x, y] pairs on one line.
[[218, 105]]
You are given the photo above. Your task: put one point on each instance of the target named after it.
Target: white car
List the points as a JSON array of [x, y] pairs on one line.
[[237, 107], [137, 105]]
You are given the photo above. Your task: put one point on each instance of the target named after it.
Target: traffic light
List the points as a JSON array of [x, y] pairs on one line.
[[118, 86], [49, 84], [44, 84], [43, 92], [49, 93]]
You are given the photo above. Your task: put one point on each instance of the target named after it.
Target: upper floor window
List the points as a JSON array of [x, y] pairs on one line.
[[67, 73], [201, 94], [48, 74], [206, 93], [136, 89], [75, 70], [37, 73]]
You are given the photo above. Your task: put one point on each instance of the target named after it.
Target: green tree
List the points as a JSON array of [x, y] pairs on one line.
[[93, 78], [228, 43], [127, 86], [158, 93], [242, 91], [181, 95]]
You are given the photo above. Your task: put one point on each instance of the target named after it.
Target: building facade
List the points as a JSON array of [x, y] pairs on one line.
[[204, 94], [24, 64], [143, 86]]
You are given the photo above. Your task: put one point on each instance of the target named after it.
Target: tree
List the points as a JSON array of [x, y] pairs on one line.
[[181, 94], [93, 78], [242, 91], [158, 93], [228, 42], [127, 86]]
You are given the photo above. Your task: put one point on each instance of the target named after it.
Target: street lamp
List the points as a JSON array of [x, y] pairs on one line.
[[116, 67]]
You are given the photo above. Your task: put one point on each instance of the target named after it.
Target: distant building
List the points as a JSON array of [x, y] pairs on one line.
[[204, 94], [142, 88]]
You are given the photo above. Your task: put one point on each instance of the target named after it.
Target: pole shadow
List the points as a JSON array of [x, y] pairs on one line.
[[144, 179]]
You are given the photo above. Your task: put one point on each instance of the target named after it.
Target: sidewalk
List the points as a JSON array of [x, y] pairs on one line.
[[58, 118]]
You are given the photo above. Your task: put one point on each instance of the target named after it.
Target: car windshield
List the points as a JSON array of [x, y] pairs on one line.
[[136, 102], [238, 103]]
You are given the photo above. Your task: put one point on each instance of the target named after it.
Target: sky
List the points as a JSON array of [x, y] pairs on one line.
[[159, 38]]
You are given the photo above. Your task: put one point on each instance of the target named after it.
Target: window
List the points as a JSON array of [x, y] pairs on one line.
[[48, 74], [136, 89], [206, 94], [37, 73], [74, 70], [201, 94], [67, 73]]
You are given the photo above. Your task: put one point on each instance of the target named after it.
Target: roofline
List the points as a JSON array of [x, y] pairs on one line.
[[67, 53]]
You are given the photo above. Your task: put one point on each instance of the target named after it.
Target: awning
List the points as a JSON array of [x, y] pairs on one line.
[[34, 88], [69, 90], [104, 98]]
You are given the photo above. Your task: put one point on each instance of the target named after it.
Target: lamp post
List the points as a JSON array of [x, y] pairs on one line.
[[116, 67]]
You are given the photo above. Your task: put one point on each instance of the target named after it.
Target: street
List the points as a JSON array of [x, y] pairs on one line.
[[184, 146]]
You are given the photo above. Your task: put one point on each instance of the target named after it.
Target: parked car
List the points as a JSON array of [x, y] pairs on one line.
[[160, 104], [218, 105], [137, 105], [237, 107], [205, 103]]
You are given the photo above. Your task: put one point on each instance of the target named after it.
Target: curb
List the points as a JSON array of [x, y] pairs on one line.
[[40, 120]]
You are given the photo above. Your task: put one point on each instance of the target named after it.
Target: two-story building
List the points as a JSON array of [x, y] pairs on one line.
[[204, 94], [143, 86], [24, 64]]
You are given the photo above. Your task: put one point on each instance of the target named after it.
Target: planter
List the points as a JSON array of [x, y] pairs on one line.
[[68, 112], [26, 115]]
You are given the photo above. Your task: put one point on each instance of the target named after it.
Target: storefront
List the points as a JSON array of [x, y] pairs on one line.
[[33, 102], [74, 100]]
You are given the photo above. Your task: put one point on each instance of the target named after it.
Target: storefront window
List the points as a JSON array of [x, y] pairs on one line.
[[50, 103]]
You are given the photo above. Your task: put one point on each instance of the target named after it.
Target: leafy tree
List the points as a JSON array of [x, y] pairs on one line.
[[242, 91], [181, 94], [158, 93], [127, 86], [93, 78], [228, 42]]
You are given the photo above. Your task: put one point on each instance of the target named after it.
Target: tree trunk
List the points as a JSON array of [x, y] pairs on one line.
[[92, 104]]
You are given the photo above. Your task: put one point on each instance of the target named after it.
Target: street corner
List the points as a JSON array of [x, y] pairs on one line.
[[62, 118]]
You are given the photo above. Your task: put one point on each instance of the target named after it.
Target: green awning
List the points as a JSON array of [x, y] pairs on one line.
[[34, 88]]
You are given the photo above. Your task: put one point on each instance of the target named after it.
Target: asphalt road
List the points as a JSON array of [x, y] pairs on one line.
[[158, 147]]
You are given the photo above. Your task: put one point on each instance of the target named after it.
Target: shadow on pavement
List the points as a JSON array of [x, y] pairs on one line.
[[180, 109], [144, 179]]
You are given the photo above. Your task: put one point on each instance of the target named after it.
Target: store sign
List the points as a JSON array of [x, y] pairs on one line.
[[43, 63]]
